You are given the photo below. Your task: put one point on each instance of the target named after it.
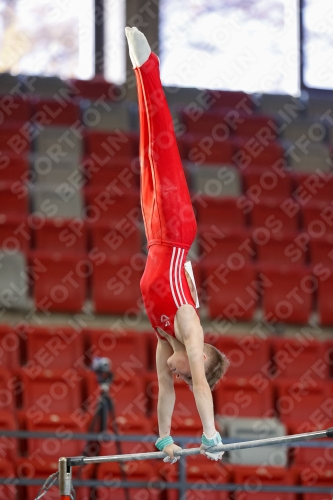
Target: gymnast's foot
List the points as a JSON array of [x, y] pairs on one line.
[[139, 49]]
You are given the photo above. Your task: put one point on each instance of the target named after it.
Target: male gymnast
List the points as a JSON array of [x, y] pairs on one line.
[[167, 285]]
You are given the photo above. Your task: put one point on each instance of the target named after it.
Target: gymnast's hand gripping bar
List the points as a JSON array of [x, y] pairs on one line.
[[65, 464]]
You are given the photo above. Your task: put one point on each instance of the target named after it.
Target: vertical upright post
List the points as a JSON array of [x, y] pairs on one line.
[[65, 479], [182, 478]]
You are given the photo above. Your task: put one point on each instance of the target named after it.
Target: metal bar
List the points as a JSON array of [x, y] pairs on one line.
[[195, 451], [65, 478]]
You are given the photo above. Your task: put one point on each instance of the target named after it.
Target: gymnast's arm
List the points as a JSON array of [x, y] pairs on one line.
[[192, 336]]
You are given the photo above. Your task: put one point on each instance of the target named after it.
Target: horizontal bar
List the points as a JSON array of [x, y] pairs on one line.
[[195, 451], [175, 485], [89, 436]]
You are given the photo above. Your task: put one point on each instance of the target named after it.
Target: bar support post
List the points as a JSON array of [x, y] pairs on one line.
[[65, 479]]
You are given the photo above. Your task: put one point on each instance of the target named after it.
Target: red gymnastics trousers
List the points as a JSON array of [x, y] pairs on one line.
[[165, 201]]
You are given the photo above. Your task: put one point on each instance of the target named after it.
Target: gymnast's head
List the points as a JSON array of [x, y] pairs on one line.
[[215, 362]]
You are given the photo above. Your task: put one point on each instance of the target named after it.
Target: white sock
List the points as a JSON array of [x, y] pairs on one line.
[[139, 49]]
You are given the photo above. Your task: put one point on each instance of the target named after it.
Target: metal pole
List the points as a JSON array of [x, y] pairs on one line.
[[195, 451], [65, 479]]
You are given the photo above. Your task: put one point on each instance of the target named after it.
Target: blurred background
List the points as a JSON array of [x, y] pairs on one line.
[[249, 85]]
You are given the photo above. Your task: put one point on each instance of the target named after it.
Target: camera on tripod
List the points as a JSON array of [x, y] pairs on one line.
[[102, 368]]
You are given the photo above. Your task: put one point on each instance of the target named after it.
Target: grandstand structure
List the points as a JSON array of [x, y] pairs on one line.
[[259, 169]]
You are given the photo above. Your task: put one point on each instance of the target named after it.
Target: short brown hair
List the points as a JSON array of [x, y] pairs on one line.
[[217, 365]]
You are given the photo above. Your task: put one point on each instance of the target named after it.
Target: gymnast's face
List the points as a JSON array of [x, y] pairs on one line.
[[180, 366]]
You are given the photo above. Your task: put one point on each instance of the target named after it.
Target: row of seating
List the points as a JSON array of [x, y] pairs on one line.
[[60, 348]]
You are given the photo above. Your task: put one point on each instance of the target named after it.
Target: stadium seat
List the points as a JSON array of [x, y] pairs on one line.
[[106, 115], [317, 479], [248, 429], [7, 396], [262, 127], [7, 491], [117, 241], [247, 354], [303, 456], [205, 149], [318, 218], [14, 168], [298, 400], [15, 139], [219, 212], [312, 187], [9, 348], [14, 109], [65, 202], [275, 103], [13, 198], [95, 88], [127, 392], [272, 215], [55, 446], [218, 181], [60, 174], [52, 348], [261, 183], [116, 285], [233, 244], [262, 476], [321, 250], [104, 205], [287, 292], [15, 233], [230, 293], [60, 235], [301, 128], [51, 392], [46, 86], [232, 100], [123, 174], [324, 297], [111, 146], [315, 157], [252, 153], [14, 282], [52, 112], [127, 350], [240, 397], [8, 445], [60, 280], [59, 142], [209, 122], [295, 358], [141, 471], [279, 248]]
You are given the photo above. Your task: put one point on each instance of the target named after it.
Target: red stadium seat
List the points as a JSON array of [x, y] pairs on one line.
[[14, 110], [96, 88], [288, 293], [227, 99], [15, 139], [260, 127], [286, 248], [60, 235], [204, 149], [127, 350], [252, 153], [8, 445], [219, 212], [140, 471], [128, 394], [262, 476], [232, 244], [60, 280], [52, 112], [298, 400], [247, 354], [294, 358], [7, 396], [116, 285], [118, 242], [240, 397], [52, 348], [311, 187], [14, 168], [318, 218], [15, 233], [7, 491], [122, 173], [13, 199], [108, 146], [9, 348], [304, 456], [111, 206], [54, 446], [270, 214], [261, 183], [321, 250], [316, 478], [231, 294], [324, 297], [209, 122], [51, 392]]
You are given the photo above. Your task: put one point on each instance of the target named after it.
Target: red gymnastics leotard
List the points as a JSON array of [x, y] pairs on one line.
[[166, 205]]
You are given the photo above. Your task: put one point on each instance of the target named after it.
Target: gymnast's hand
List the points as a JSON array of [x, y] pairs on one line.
[[207, 443], [170, 449]]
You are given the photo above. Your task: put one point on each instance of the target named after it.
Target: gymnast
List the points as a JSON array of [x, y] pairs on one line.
[[167, 285]]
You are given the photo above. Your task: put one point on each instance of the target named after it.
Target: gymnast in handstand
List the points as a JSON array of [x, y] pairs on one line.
[[167, 285]]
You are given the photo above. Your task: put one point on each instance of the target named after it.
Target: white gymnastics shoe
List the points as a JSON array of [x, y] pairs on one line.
[[139, 49]]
